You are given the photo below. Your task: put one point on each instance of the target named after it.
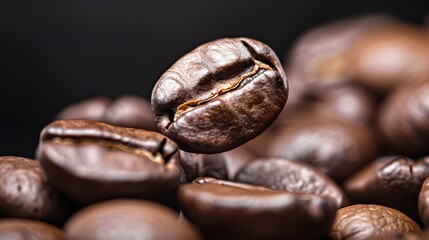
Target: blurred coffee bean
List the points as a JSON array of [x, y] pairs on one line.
[[203, 165], [337, 148], [128, 219], [220, 95], [131, 111], [283, 174], [390, 56], [92, 161], [91, 109], [26, 193], [320, 56], [370, 221], [403, 120], [390, 181], [423, 202], [228, 210], [22, 229], [344, 102], [126, 111], [237, 158]]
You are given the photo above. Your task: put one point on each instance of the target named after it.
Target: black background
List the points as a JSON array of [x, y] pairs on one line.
[[56, 53]]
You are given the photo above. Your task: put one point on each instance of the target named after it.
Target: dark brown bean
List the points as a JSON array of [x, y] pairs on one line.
[[126, 111], [390, 181], [320, 57], [130, 220], [337, 148], [346, 102], [220, 95], [403, 120], [283, 174], [227, 210], [26, 193], [92, 161], [390, 56], [423, 202]]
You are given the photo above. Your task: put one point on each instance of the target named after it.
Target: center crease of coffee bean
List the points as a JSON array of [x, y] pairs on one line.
[[114, 145], [189, 105]]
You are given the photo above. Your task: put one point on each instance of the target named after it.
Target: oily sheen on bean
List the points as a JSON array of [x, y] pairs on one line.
[[220, 95]]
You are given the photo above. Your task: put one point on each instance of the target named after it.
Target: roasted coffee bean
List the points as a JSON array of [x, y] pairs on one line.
[[337, 148], [403, 120], [365, 221], [423, 202], [228, 210], [220, 95], [283, 174], [22, 229], [203, 165], [131, 111], [390, 181], [91, 109], [126, 111], [347, 102], [92, 161], [128, 219], [390, 56], [26, 193], [320, 56]]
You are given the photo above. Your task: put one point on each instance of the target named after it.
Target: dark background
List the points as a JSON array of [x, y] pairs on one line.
[[56, 53]]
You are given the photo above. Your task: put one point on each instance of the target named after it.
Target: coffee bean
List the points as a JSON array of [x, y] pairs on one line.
[[423, 202], [350, 103], [203, 165], [283, 174], [126, 111], [390, 181], [128, 219], [337, 148], [92, 161], [220, 95], [26, 193], [228, 210], [320, 57], [403, 122], [22, 229], [131, 111], [391, 56], [91, 109], [366, 221]]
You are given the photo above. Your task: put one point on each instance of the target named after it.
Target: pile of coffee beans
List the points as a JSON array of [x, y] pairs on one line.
[[231, 148]]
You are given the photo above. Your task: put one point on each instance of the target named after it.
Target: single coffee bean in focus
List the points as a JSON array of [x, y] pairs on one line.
[[220, 95]]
